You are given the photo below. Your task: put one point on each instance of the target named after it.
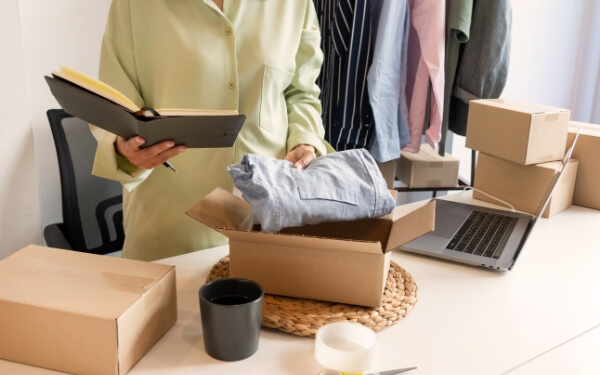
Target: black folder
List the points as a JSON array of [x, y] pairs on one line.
[[210, 131]]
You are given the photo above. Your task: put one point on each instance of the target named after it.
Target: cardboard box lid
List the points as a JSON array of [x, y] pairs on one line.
[[428, 154], [520, 106], [232, 216], [64, 280]]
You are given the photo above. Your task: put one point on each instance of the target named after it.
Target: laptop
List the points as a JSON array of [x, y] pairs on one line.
[[482, 236]]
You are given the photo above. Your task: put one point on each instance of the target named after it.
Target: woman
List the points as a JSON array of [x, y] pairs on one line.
[[260, 57]]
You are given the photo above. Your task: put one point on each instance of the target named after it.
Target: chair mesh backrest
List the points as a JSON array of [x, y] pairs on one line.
[[92, 206]]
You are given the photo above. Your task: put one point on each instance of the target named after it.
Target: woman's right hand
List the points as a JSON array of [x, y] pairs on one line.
[[148, 157]]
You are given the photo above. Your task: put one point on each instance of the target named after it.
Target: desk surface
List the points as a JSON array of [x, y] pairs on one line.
[[466, 321]]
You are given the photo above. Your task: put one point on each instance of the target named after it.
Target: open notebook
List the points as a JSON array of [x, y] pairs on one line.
[[92, 101]]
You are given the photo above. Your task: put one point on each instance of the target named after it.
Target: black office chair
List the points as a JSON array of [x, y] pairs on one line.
[[92, 207]]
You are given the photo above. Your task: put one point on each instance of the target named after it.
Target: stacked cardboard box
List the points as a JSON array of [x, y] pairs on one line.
[[521, 146], [523, 186]]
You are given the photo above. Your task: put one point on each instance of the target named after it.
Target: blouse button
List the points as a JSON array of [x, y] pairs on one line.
[[231, 85], [228, 31]]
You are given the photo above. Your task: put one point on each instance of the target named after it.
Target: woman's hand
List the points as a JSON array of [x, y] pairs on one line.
[[301, 156], [148, 157]]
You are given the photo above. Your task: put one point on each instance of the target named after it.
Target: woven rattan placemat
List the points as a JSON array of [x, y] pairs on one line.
[[303, 317]]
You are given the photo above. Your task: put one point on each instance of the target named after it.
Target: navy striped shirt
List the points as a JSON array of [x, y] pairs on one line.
[[346, 43]]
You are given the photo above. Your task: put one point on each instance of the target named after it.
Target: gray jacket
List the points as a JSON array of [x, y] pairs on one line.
[[483, 64]]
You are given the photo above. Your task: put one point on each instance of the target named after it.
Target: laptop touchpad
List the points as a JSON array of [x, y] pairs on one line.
[[446, 224]]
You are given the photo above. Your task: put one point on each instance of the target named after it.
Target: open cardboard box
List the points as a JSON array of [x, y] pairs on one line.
[[522, 132], [346, 262], [82, 313]]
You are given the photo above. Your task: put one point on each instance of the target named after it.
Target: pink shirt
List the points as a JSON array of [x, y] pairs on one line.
[[426, 53]]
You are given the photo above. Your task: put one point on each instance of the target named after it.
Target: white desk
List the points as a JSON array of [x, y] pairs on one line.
[[466, 321], [577, 356]]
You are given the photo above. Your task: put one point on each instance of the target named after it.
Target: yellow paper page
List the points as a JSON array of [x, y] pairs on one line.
[[96, 86]]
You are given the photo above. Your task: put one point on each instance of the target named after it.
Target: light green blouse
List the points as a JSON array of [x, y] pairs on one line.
[[261, 57]]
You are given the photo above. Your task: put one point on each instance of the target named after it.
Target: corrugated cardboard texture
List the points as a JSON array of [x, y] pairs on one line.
[[524, 186], [344, 262], [320, 273], [61, 310], [522, 132], [587, 151], [427, 168]]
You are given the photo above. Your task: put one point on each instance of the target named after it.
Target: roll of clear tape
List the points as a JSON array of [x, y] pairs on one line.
[[346, 347]]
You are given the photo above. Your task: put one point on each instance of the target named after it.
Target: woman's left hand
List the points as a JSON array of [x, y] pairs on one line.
[[301, 156]]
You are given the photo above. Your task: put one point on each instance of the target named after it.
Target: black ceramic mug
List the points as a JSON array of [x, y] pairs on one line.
[[231, 312]]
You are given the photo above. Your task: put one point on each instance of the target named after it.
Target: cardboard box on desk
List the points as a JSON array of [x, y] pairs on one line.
[[344, 262], [82, 313], [524, 186], [427, 168], [522, 132], [587, 151]]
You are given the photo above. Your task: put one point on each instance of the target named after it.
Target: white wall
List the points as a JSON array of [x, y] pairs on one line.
[[56, 32], [544, 55], [19, 204], [36, 36]]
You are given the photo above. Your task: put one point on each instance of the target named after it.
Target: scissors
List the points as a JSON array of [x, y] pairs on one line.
[[389, 372]]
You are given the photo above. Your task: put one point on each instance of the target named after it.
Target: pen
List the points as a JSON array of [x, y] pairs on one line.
[[170, 166]]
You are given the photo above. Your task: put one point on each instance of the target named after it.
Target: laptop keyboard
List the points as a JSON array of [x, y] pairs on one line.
[[483, 233]]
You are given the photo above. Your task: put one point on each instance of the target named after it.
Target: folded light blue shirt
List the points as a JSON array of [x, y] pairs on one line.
[[345, 185]]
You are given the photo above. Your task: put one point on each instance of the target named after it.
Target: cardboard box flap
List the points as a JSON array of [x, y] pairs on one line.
[[411, 226], [222, 209], [374, 230]]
